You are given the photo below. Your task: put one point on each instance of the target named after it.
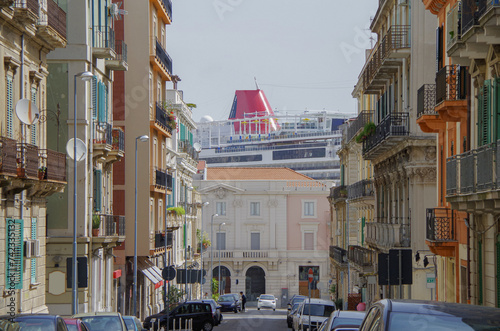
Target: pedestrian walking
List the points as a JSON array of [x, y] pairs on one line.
[[243, 301]]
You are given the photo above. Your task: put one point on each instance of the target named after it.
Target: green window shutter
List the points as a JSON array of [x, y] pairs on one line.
[[100, 112], [97, 189], [106, 104], [183, 132], [496, 96], [480, 271], [10, 107], [342, 175], [94, 97], [483, 113], [33, 261], [15, 254], [363, 224], [33, 126], [191, 138]]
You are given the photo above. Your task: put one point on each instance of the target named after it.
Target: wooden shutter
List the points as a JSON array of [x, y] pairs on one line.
[[33, 126], [483, 113], [439, 48], [183, 132], [15, 254], [308, 241], [94, 97], [33, 261], [496, 109], [10, 107], [97, 190], [101, 105]]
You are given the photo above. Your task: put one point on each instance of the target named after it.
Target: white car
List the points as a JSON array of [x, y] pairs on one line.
[[320, 311], [266, 301]]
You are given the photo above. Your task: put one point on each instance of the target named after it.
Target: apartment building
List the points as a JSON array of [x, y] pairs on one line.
[[267, 226], [93, 53], [465, 116], [29, 171]]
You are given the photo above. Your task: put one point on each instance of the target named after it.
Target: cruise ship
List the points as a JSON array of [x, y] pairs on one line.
[[256, 136]]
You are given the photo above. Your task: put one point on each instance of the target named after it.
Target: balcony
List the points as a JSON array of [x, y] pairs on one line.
[[103, 42], [102, 140], [161, 180], [358, 124], [185, 147], [441, 236], [174, 221], [27, 161], [362, 259], [164, 8], [386, 58], [52, 166], [338, 256], [112, 228], [473, 181], [160, 242], [454, 27], [119, 63], [8, 154], [427, 117], [338, 193], [118, 143], [392, 130], [160, 60], [6, 3], [451, 92], [270, 256], [52, 25], [382, 235], [361, 190], [26, 11], [162, 120]]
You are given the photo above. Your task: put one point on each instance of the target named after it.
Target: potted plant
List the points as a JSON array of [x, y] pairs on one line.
[[42, 173], [96, 223], [203, 242]]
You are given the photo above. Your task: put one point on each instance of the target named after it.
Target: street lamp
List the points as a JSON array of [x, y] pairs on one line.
[[212, 252], [190, 188], [85, 76], [201, 249], [218, 244], [142, 138]]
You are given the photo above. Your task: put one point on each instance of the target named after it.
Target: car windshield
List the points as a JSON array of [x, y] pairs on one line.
[[36, 324], [228, 298], [411, 321], [319, 310], [129, 323], [299, 299], [346, 321], [103, 323], [266, 297], [72, 327]]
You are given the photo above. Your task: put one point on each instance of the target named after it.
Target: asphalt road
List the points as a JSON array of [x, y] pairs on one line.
[[253, 319]]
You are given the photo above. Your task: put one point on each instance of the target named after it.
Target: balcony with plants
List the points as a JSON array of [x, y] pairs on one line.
[[175, 218], [163, 119], [352, 131], [392, 130], [118, 144], [102, 140], [107, 228]]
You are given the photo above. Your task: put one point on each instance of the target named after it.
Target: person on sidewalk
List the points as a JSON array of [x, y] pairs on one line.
[[243, 301]]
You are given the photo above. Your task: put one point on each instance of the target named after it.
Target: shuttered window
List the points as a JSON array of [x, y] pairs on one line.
[[483, 113], [33, 261], [255, 241], [15, 254], [309, 241], [221, 241], [183, 132], [10, 106], [33, 126], [496, 109], [94, 97], [439, 48], [97, 190]]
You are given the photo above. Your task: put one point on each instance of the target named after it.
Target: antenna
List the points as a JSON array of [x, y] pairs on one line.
[[81, 149], [27, 112], [256, 85], [197, 147]]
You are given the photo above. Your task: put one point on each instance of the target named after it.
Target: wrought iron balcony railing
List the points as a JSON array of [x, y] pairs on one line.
[[121, 50], [440, 224], [52, 165], [103, 37], [363, 188], [338, 254], [395, 124], [162, 118], [361, 256], [163, 56], [103, 133], [339, 192], [454, 25], [160, 178], [388, 234], [160, 239], [451, 83], [358, 124], [471, 12], [118, 139], [27, 160], [168, 7], [186, 147], [426, 100], [8, 155]]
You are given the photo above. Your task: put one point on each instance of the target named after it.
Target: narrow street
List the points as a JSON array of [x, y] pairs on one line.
[[253, 319]]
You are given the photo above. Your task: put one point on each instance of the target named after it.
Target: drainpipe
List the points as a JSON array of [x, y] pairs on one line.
[[468, 263], [23, 133]]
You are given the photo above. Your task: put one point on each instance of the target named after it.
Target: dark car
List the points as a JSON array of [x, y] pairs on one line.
[[388, 315], [290, 313], [296, 298], [215, 310], [74, 324], [103, 321], [44, 322], [228, 302], [179, 315], [343, 318], [133, 323]]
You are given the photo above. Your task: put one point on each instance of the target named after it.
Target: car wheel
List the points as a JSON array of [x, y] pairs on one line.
[[258, 308], [207, 326], [236, 310], [274, 309]]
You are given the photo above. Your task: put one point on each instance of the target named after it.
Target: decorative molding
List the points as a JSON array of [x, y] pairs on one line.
[[273, 203], [238, 203], [11, 64], [220, 193]]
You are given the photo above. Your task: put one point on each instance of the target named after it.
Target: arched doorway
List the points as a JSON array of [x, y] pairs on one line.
[[255, 284], [225, 278]]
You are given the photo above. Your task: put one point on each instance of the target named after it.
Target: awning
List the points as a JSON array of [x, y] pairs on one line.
[[149, 270]]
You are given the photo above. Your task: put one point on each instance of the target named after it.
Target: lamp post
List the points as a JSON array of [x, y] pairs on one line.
[[190, 188], [85, 76], [201, 249], [142, 138], [218, 244], [212, 252]]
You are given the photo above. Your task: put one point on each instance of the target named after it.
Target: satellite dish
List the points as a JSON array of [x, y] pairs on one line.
[[27, 112], [81, 149], [197, 147]]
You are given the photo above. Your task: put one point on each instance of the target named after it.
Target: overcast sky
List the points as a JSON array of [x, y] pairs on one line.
[[304, 54]]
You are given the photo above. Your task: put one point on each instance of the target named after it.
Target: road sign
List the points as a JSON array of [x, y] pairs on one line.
[[310, 275], [168, 273], [431, 281]]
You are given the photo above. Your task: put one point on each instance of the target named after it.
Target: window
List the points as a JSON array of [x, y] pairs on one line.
[[97, 190], [221, 240], [254, 208], [308, 209], [220, 208], [33, 261], [33, 126], [309, 241], [10, 106], [255, 241]]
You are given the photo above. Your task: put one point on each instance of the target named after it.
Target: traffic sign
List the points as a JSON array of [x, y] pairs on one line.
[[168, 273], [310, 275], [431, 280]]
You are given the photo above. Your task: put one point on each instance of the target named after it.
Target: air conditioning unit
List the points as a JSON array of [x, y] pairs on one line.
[[32, 248]]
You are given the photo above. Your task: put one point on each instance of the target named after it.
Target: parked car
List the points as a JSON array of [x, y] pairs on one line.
[[294, 299], [133, 323], [103, 321], [228, 302], [290, 313], [237, 297], [266, 301], [215, 310], [319, 310], [75, 324], [388, 315], [350, 318], [34, 321], [199, 312]]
